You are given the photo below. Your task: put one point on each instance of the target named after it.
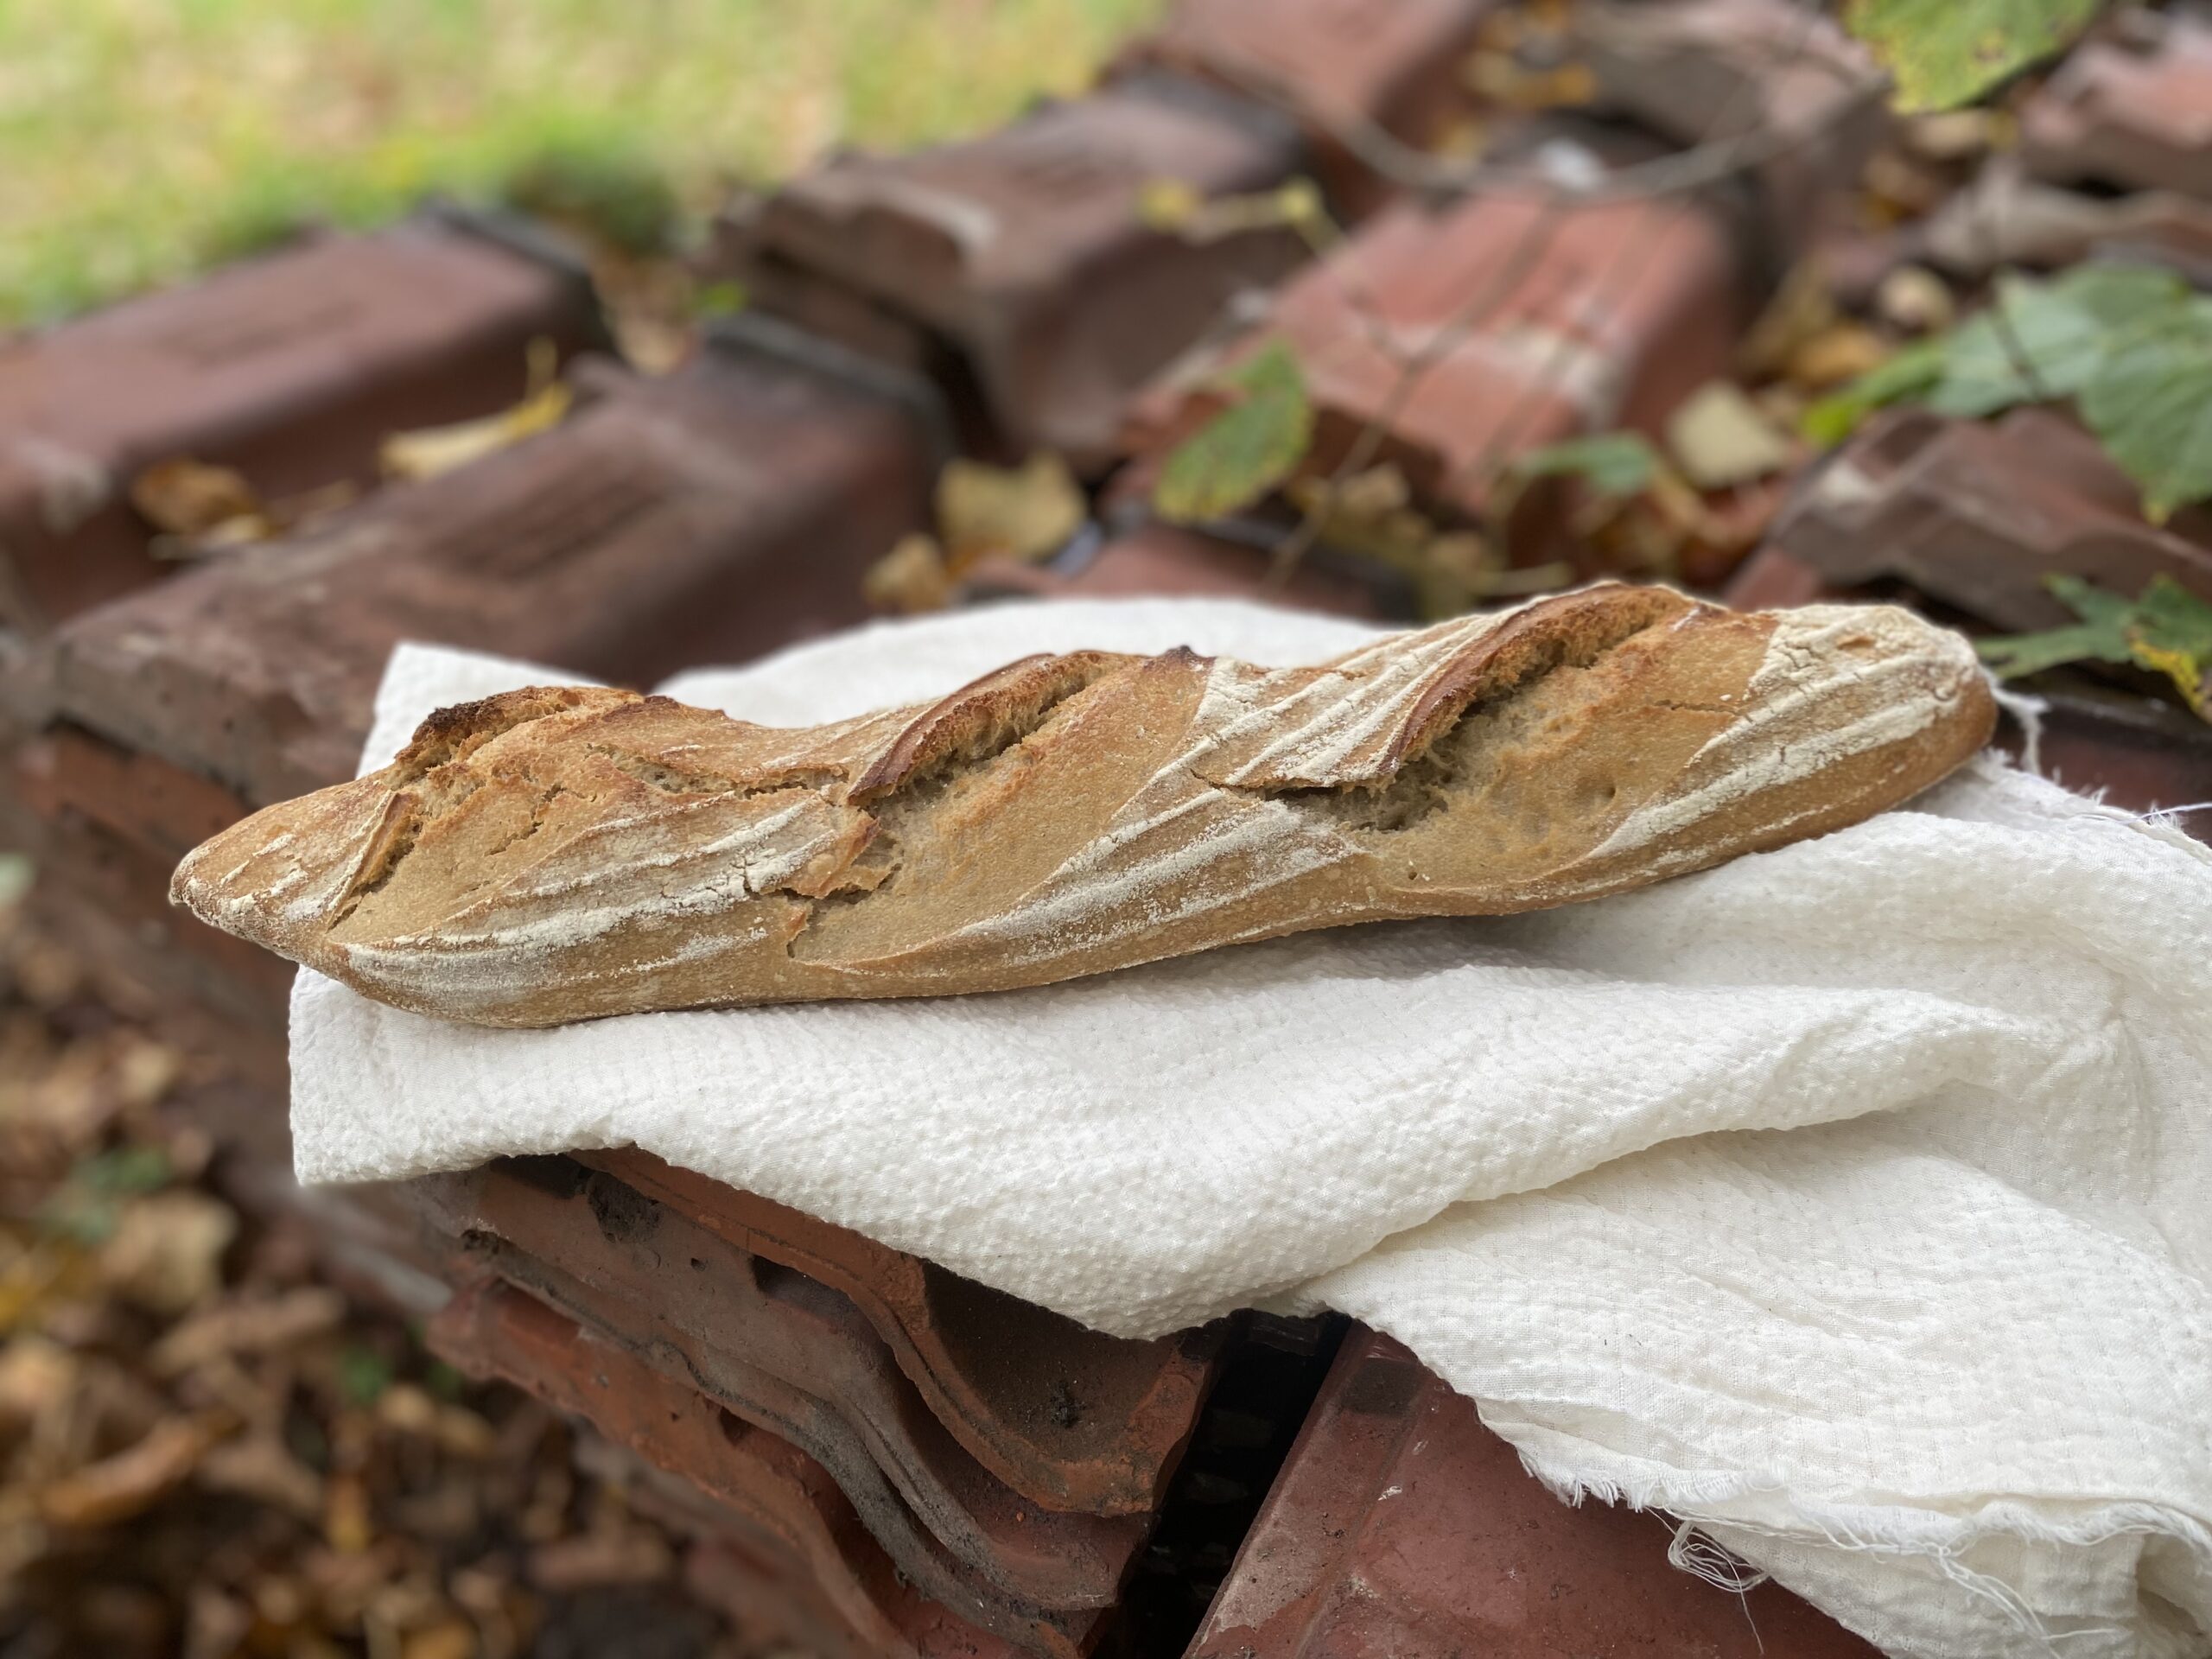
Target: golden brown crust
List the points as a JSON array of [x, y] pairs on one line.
[[1019, 695], [1535, 637], [561, 853]]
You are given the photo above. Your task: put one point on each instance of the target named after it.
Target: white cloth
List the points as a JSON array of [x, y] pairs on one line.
[[1852, 1201]]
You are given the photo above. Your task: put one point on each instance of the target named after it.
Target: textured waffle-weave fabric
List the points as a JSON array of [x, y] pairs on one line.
[[1852, 1202]]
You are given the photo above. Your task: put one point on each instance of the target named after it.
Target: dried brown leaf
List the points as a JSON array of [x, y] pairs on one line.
[[72, 1103], [261, 1468], [256, 1398], [1952, 135], [407, 1410], [911, 578], [345, 1583], [1368, 516], [1802, 307], [630, 1555], [39, 1284], [1500, 78], [453, 1638], [145, 1071], [108, 1408], [36, 1376], [1720, 438], [412, 1601], [216, 1624], [1915, 299], [1836, 355], [997, 512], [346, 1521], [1898, 185], [242, 531], [97, 1427], [461, 1433], [449, 1510], [167, 1252], [256, 1325], [47, 975], [184, 497], [134, 1480]]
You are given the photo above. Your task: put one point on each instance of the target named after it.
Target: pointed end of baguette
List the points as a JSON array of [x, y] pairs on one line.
[[277, 878], [1852, 710], [273, 878]]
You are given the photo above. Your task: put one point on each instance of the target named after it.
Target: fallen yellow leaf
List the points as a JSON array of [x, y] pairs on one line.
[[911, 578], [431, 450], [997, 512], [453, 1639], [1835, 355], [346, 1520], [1720, 439]]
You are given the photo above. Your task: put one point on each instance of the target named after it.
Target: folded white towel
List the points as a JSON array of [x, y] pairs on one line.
[[1852, 1202]]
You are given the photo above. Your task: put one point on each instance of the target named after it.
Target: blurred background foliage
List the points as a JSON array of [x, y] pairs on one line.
[[141, 140]]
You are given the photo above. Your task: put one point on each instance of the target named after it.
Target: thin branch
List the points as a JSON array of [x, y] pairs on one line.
[[2016, 352], [1999, 314], [1628, 259], [1708, 162], [1715, 158], [1505, 438], [1511, 272]]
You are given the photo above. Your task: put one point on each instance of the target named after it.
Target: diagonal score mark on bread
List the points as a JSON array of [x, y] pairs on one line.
[[562, 854]]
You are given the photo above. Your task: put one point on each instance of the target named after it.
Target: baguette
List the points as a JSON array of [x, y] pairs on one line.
[[562, 854]]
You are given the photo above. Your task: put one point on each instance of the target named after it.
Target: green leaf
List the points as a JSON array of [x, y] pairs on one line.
[[2101, 636], [620, 195], [362, 1375], [2117, 294], [1912, 373], [83, 1218], [2042, 341], [1946, 53], [722, 299], [2035, 343], [1613, 464], [88, 1206], [1247, 449], [443, 1382], [2172, 635], [2131, 345], [1168, 204], [2055, 330], [2168, 630], [2150, 402], [124, 1170]]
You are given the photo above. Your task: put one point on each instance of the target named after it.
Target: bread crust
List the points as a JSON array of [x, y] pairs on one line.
[[563, 853]]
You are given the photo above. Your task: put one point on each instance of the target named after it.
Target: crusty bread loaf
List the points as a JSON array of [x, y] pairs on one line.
[[562, 854]]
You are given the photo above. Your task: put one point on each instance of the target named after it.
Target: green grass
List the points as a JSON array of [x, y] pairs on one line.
[[142, 139]]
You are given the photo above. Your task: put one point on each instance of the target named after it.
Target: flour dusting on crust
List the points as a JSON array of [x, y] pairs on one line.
[[558, 855]]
